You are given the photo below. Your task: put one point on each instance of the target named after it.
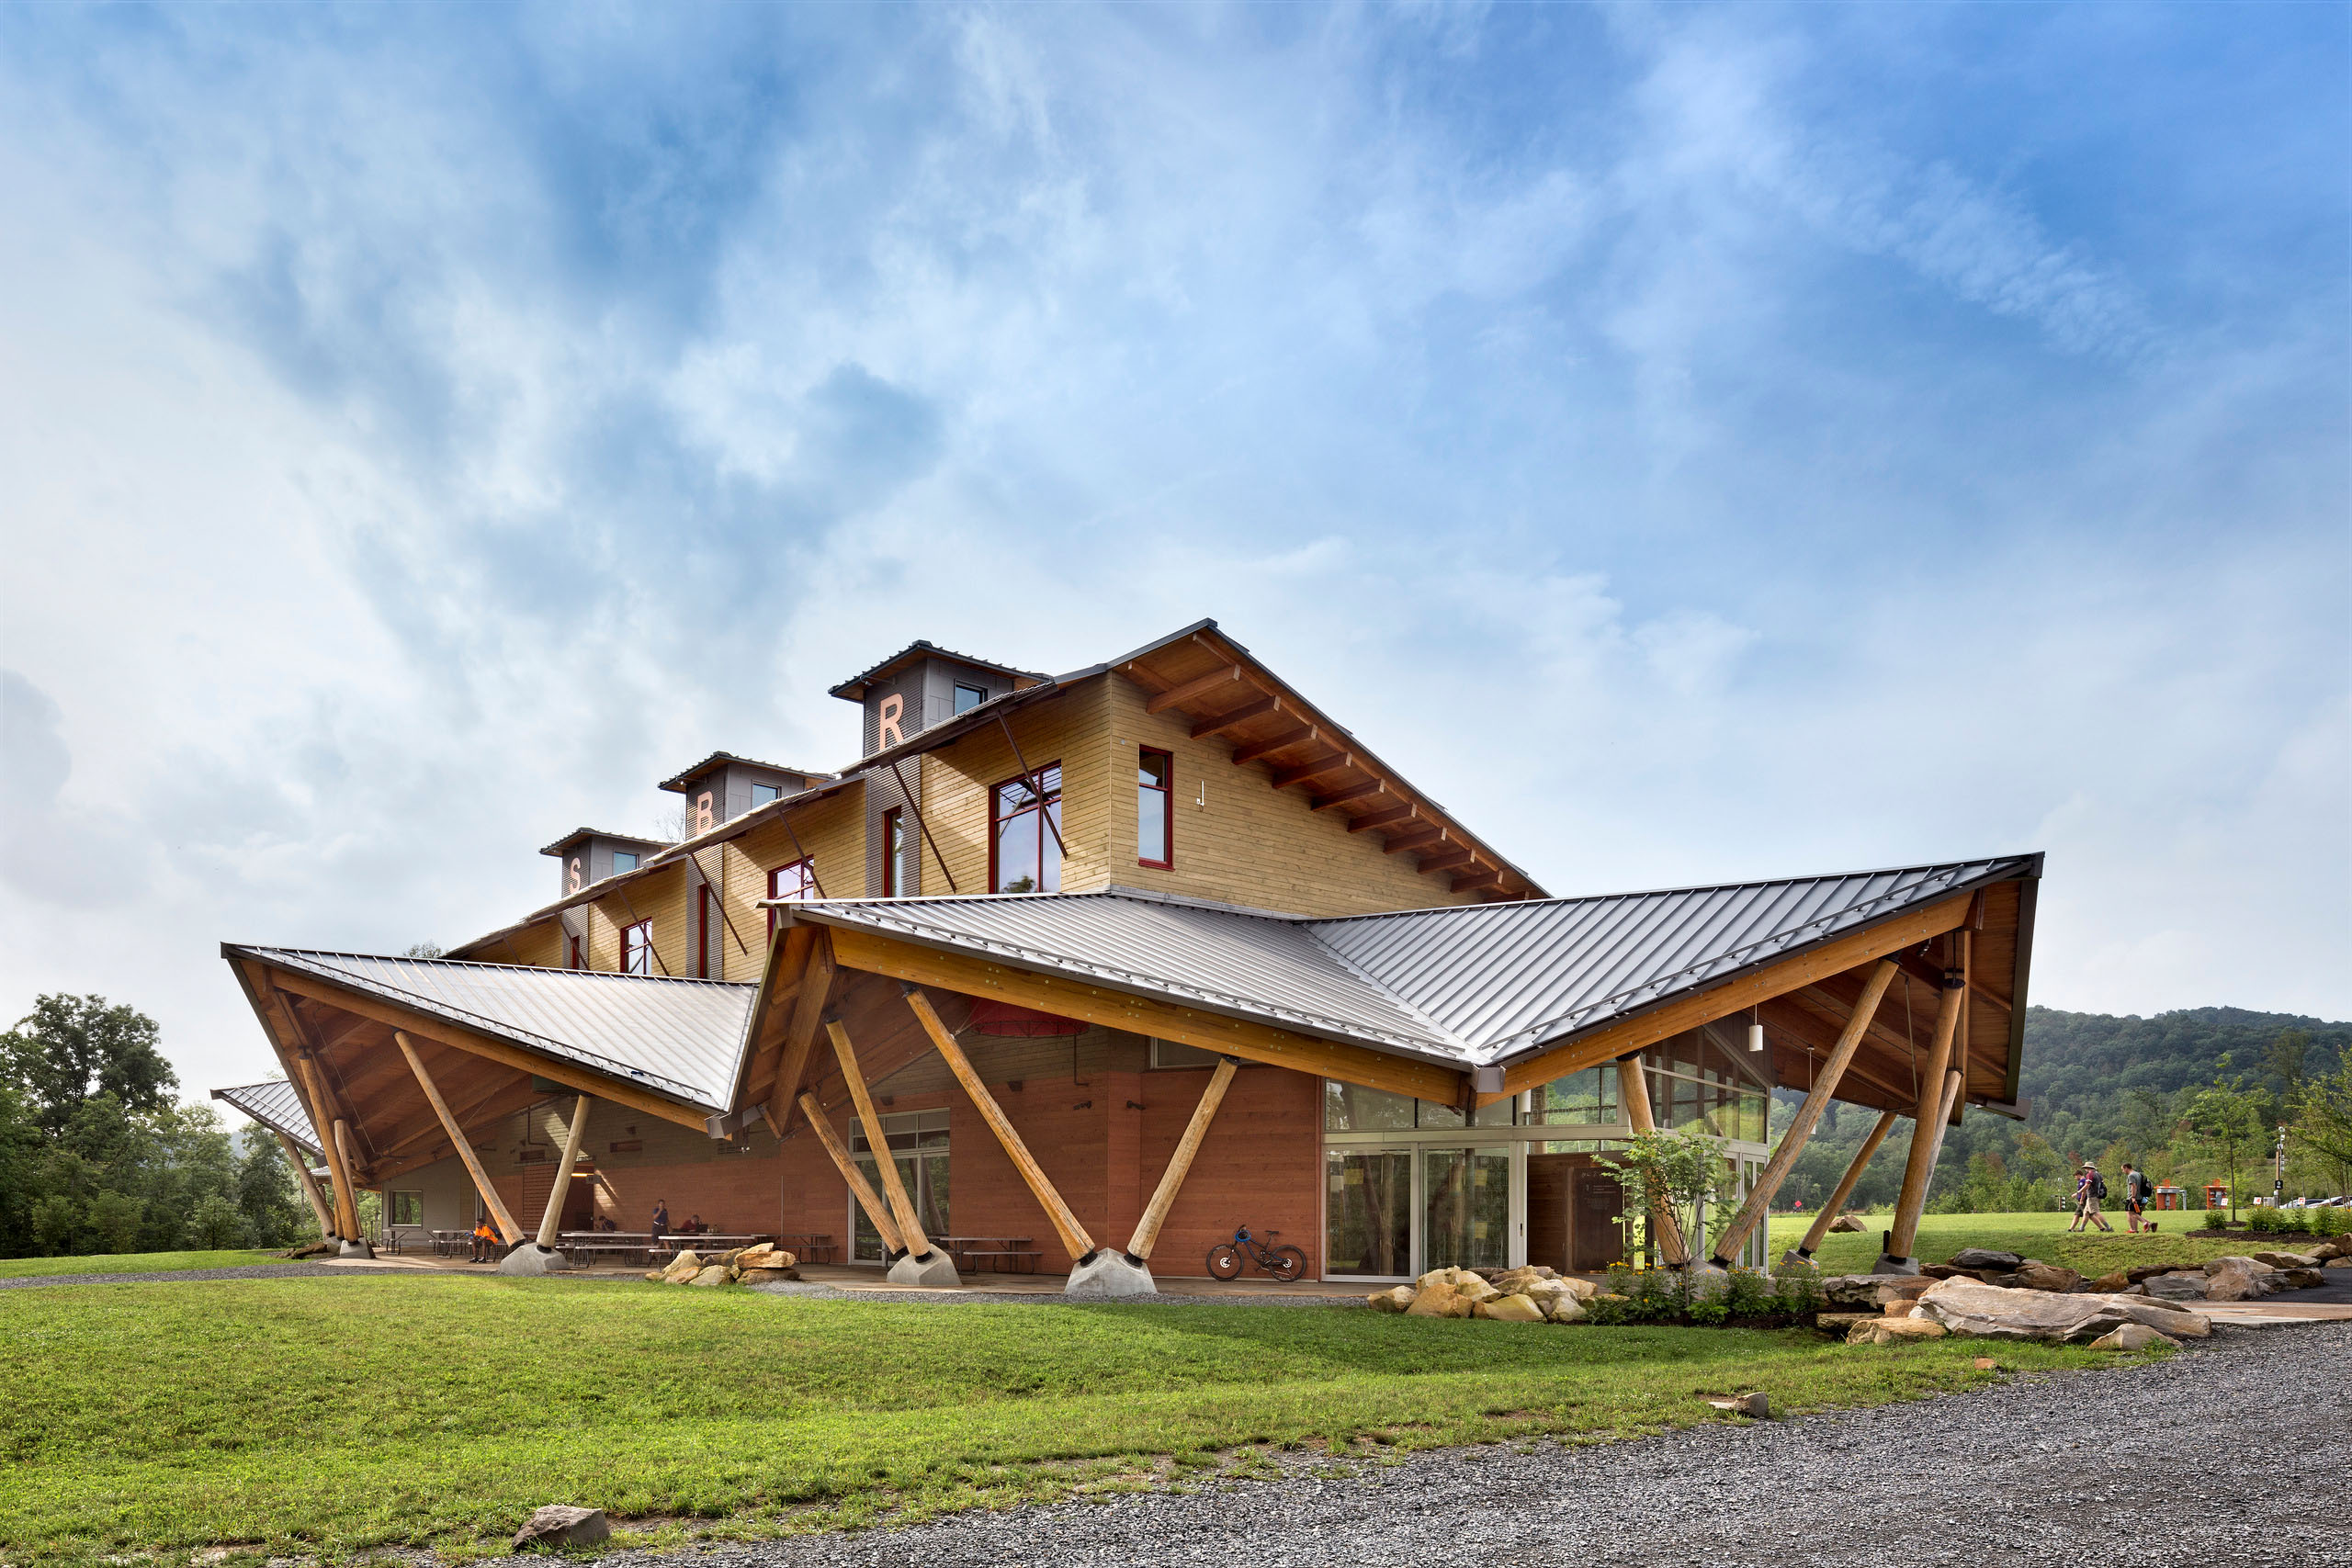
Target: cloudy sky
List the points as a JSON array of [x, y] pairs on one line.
[[1695, 443]]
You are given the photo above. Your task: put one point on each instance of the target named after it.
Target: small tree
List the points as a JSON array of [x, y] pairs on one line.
[[216, 1225], [1674, 1174], [2322, 1124], [2230, 1126]]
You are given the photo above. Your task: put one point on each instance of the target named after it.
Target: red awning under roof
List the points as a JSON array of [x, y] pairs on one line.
[[1011, 1022]]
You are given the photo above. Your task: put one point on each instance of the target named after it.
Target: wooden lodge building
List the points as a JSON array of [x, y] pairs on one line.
[[1117, 961]]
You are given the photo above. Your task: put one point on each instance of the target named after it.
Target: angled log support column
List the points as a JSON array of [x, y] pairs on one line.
[[1793, 1142], [1634, 1090], [544, 1257], [1074, 1239], [508, 1231], [1805, 1250], [800, 1033], [876, 1215], [310, 1184], [1921, 1167], [1180, 1164], [346, 1199], [923, 1265], [346, 1168]]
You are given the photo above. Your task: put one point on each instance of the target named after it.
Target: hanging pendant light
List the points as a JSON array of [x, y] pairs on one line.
[[1754, 1033]]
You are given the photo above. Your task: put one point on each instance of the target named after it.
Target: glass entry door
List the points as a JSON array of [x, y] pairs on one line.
[[1465, 1208], [919, 1146], [1368, 1208]]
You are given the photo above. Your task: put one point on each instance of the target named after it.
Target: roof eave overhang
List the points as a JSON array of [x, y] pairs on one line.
[[2009, 870], [304, 1140]]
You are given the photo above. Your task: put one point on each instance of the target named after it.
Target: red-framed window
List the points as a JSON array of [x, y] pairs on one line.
[[1155, 808], [636, 948], [894, 850], [796, 880], [1025, 827]]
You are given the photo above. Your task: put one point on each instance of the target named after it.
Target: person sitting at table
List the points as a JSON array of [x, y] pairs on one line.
[[605, 1223], [697, 1227], [485, 1240]]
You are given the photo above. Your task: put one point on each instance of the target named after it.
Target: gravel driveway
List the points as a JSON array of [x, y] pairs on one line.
[[2222, 1454]]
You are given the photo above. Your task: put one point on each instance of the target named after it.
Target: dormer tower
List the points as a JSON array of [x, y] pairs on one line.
[[723, 786]]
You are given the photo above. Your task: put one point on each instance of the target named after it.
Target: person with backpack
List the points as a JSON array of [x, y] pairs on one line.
[[2089, 1189], [2137, 1190]]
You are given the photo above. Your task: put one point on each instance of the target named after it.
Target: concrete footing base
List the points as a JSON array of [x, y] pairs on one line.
[[1889, 1264], [1109, 1276], [530, 1258], [936, 1272], [355, 1249], [1792, 1258]]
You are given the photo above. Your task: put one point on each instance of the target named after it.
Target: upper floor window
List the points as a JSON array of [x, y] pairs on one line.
[[623, 860], [636, 948], [894, 851], [1024, 842], [796, 880], [969, 697], [1155, 808], [764, 795], [575, 955]]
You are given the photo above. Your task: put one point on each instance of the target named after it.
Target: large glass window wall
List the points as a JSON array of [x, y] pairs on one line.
[[918, 1141]]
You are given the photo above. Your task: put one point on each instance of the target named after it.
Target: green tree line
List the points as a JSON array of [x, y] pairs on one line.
[[97, 1155], [2190, 1097]]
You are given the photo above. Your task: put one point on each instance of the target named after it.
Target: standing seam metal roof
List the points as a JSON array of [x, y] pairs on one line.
[[275, 1105], [681, 1037]]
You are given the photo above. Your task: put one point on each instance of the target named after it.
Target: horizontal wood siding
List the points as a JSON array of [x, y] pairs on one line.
[[832, 832], [957, 781]]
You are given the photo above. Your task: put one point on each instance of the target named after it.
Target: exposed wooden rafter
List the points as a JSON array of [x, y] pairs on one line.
[[1220, 723]]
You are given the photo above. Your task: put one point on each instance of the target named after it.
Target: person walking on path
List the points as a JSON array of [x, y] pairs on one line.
[[2137, 1188], [2090, 1188]]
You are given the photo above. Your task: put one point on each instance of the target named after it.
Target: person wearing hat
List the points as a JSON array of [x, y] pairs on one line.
[[2090, 1188], [2137, 1190]]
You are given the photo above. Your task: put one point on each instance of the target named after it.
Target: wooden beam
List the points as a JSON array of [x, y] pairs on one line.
[[442, 1032], [498, 1082], [1807, 1025], [886, 1164], [1242, 715], [309, 1183], [1381, 818], [1726, 1244], [346, 1197], [1816, 999], [1445, 860], [800, 1034], [1180, 1164], [1727, 997], [1918, 1169], [1283, 778], [1074, 1239], [1072, 997], [1830, 1210], [1353, 792], [551, 1223], [1195, 689], [876, 1215], [1413, 838], [1479, 879], [1634, 1088], [509, 1230], [1251, 751]]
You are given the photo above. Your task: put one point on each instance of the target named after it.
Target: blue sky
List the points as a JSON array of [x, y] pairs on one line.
[[1695, 443]]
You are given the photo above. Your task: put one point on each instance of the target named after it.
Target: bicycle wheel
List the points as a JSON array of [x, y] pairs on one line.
[[1225, 1260], [1288, 1263]]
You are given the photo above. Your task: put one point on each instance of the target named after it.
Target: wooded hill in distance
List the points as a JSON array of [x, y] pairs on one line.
[[2097, 1087]]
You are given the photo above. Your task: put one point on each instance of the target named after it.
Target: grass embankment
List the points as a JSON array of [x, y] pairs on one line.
[[131, 1263], [2041, 1235], [333, 1415]]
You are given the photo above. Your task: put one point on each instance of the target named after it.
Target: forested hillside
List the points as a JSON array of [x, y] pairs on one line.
[[2097, 1087]]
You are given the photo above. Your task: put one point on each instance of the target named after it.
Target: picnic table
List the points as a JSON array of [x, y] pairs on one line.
[[1012, 1251], [448, 1243]]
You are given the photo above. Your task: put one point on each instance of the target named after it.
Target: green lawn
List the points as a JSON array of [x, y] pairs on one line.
[[131, 1263], [331, 1416], [2041, 1235]]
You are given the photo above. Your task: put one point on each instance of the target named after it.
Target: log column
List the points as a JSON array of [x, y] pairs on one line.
[[912, 1239], [1793, 1142], [550, 1224], [1829, 1211], [1074, 1239], [1180, 1164], [1634, 1090], [346, 1201], [508, 1231], [862, 1189], [1920, 1168], [310, 1184]]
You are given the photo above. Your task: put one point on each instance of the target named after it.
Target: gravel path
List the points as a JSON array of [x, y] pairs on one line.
[[237, 1271], [2222, 1454]]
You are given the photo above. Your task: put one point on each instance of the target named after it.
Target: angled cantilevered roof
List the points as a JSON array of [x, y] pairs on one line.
[[678, 1037], [276, 1107], [1471, 985]]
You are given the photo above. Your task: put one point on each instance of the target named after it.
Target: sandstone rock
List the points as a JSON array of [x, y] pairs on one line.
[[769, 1276], [2139, 1271], [2110, 1284], [2287, 1259], [1439, 1300], [1564, 1308], [1583, 1290], [711, 1277], [1970, 1307], [1396, 1300], [681, 1268], [2339, 1262], [559, 1525], [1842, 1322], [2243, 1264], [2176, 1288], [654, 1275], [1851, 1225], [2133, 1337], [1903, 1289], [2036, 1275], [2300, 1279], [1517, 1281], [1475, 1290], [1857, 1292], [1892, 1330], [1509, 1309], [1984, 1258]]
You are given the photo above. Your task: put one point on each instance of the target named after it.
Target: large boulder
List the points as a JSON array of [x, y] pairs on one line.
[[1509, 1308], [1842, 1322], [1396, 1300], [2287, 1259], [1893, 1330], [708, 1278], [1993, 1312], [2300, 1279], [2133, 1337], [1851, 1225], [1564, 1308], [769, 1276], [1440, 1300], [2175, 1287], [1522, 1281], [1984, 1258], [1583, 1290], [2035, 1275], [2235, 1280], [560, 1525], [681, 1268], [1473, 1289], [1900, 1289], [1859, 1292]]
